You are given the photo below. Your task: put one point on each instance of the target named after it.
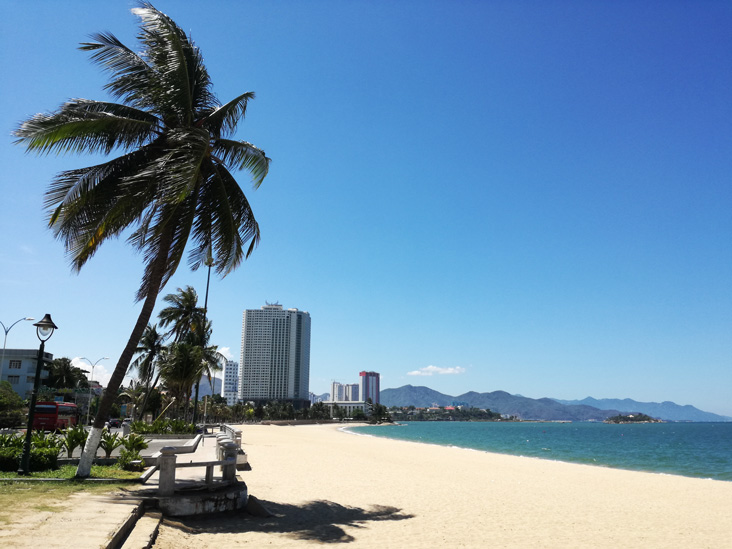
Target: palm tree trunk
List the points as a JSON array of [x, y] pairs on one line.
[[110, 394], [147, 395]]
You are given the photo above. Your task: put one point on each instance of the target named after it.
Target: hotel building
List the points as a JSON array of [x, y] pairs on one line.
[[275, 355], [230, 386]]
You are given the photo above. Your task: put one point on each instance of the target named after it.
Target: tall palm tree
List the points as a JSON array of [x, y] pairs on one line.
[[172, 181], [151, 350], [179, 369], [183, 314]]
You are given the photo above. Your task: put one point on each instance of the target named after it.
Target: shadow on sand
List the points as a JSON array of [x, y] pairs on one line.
[[321, 521]]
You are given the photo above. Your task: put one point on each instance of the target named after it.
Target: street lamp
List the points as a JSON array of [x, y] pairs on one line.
[[88, 408], [2, 359], [44, 331]]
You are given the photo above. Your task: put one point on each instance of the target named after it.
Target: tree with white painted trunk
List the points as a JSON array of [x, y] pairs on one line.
[[171, 183]]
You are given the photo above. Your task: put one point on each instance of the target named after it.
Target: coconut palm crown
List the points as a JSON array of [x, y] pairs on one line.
[[171, 182]]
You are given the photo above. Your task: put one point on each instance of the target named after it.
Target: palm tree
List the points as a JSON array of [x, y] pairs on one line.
[[64, 375], [172, 181], [179, 369], [151, 349], [183, 314]]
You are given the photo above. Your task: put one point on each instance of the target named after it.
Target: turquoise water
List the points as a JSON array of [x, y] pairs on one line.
[[701, 450]]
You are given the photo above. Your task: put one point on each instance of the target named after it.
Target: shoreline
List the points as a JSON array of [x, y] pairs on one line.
[[605, 464], [371, 491]]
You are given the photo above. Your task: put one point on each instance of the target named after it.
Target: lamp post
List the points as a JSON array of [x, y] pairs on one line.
[[209, 262], [2, 358], [93, 365], [44, 331]]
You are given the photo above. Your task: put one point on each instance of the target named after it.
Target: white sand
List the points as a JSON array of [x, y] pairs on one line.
[[328, 487]]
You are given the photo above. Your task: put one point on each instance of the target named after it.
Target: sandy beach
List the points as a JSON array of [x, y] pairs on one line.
[[327, 486]]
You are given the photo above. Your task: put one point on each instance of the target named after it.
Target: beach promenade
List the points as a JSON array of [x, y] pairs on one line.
[[325, 486], [91, 521]]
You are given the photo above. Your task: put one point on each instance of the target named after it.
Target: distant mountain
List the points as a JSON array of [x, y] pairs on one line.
[[669, 411], [205, 388], [498, 401]]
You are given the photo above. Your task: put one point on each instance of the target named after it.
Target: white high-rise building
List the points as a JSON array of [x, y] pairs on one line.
[[230, 386], [340, 392], [275, 354]]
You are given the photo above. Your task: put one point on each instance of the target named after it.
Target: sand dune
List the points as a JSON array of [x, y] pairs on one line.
[[326, 486]]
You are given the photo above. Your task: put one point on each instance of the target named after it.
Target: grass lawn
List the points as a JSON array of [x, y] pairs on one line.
[[67, 472]]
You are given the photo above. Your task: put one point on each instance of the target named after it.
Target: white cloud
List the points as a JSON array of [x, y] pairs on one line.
[[436, 370], [226, 351]]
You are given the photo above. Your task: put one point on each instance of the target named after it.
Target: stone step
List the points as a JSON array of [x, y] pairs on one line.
[[145, 531]]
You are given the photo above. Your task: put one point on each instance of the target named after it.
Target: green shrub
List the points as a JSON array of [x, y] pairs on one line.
[[11, 406], [163, 427], [43, 459], [73, 437], [41, 439], [126, 459], [109, 442], [134, 443], [10, 458], [11, 440]]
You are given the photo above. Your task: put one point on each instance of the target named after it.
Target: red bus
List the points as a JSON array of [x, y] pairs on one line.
[[54, 416]]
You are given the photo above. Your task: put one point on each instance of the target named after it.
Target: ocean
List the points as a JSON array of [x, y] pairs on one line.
[[702, 450]]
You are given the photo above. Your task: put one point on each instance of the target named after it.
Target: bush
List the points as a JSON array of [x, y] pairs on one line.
[[11, 440], [41, 459], [10, 458], [41, 439], [126, 459], [163, 427], [73, 438], [134, 443], [109, 442]]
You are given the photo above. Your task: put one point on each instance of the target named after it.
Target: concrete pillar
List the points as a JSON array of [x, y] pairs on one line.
[[220, 441], [166, 465], [228, 471], [237, 438]]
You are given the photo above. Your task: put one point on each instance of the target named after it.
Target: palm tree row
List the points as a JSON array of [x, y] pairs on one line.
[[170, 185], [187, 358]]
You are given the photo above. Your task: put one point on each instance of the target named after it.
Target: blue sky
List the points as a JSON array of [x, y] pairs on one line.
[[524, 196]]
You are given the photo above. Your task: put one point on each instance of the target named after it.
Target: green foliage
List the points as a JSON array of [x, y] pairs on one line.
[[319, 411], [41, 459], [109, 442], [10, 458], [163, 427], [73, 437], [11, 440], [43, 440], [358, 414], [134, 442], [127, 457], [11, 406]]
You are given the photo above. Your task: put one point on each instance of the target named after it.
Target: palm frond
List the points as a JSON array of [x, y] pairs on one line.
[[133, 80], [240, 155], [87, 126], [223, 120]]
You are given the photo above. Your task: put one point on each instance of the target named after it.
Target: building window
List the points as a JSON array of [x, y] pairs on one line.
[[31, 379], [14, 380], [15, 364]]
